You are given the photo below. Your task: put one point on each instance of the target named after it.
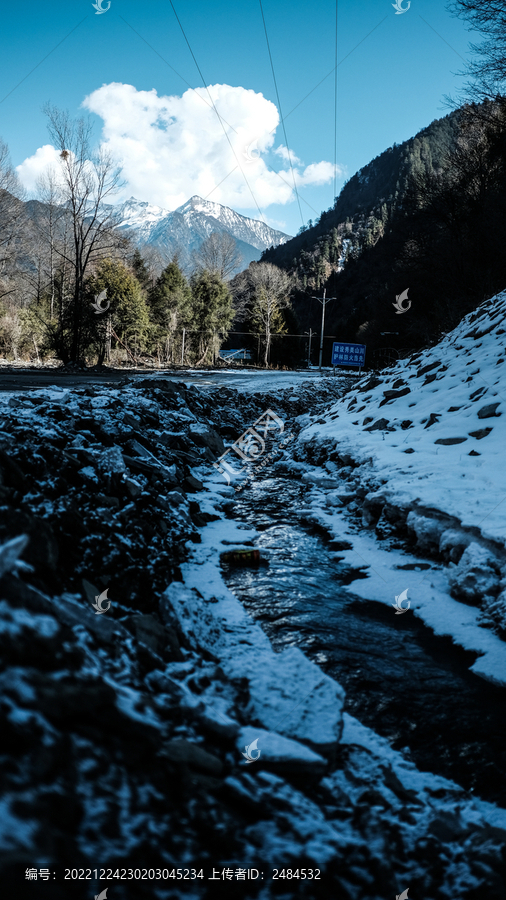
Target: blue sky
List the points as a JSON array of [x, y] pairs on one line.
[[393, 75]]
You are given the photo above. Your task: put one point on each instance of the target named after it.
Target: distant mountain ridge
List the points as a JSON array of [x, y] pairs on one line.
[[185, 228]]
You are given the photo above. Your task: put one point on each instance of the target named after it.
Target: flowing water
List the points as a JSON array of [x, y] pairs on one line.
[[408, 685]]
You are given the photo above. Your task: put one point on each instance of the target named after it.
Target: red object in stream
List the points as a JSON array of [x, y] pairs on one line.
[[241, 558]]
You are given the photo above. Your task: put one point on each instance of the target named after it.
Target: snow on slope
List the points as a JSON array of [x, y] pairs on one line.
[[141, 216], [421, 449], [192, 222]]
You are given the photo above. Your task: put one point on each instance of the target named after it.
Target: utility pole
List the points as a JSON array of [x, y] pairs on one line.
[[311, 333], [323, 302], [108, 338]]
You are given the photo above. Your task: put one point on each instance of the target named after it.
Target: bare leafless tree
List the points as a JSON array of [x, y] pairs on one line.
[[84, 185], [11, 219], [270, 294], [219, 254], [487, 72]]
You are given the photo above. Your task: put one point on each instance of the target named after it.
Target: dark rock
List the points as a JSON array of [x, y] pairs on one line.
[[367, 420], [372, 383], [175, 440], [175, 498], [430, 379], [148, 630], [481, 433], [409, 450], [131, 421], [474, 453], [189, 754], [42, 550], [109, 502], [132, 487], [199, 520], [432, 418], [89, 590], [70, 460], [104, 628], [13, 475], [478, 393], [207, 438], [488, 411], [191, 485], [428, 368], [406, 423], [449, 441], [137, 465], [379, 425], [393, 395]]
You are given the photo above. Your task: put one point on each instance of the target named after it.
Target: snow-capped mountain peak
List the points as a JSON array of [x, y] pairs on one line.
[[186, 227]]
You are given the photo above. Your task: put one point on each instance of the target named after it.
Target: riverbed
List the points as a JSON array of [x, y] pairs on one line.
[[410, 686]]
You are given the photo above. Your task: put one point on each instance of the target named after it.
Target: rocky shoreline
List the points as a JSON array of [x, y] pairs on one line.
[[123, 732]]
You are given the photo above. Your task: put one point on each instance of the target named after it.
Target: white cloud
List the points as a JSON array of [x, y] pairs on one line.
[[318, 173], [35, 166], [172, 147], [282, 151]]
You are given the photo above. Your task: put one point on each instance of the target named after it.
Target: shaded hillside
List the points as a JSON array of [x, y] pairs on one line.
[[439, 233], [367, 201]]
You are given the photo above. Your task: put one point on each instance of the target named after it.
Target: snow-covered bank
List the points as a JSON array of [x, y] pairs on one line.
[[137, 720], [417, 454]]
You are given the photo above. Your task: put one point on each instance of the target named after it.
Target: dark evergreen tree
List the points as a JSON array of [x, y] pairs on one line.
[[210, 314], [169, 306], [139, 269]]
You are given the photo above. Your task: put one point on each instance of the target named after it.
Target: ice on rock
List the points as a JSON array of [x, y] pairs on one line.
[[286, 692], [428, 531], [111, 460], [453, 543], [276, 750], [476, 575]]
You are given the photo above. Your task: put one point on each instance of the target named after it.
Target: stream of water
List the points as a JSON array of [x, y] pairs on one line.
[[408, 685]]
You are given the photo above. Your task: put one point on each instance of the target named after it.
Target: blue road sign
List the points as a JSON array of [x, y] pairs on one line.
[[348, 354]]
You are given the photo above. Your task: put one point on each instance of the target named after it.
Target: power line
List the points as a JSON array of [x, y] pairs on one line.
[[335, 115], [212, 106], [216, 111], [280, 112]]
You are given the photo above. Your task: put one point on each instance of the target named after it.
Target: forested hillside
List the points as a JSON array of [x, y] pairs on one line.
[[368, 200], [426, 216]]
